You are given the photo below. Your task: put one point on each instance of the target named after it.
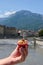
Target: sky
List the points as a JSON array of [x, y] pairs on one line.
[[8, 7]]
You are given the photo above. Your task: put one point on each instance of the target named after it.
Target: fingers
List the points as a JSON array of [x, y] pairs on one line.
[[26, 49], [22, 57], [23, 54]]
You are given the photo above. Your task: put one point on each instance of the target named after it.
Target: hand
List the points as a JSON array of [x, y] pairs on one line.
[[18, 56]]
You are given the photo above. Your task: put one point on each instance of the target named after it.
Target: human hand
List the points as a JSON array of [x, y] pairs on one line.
[[18, 56]]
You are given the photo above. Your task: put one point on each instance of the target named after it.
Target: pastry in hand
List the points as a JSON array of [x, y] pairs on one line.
[[22, 43]]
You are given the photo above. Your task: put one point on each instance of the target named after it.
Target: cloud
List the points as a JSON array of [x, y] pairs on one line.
[[9, 13], [6, 14]]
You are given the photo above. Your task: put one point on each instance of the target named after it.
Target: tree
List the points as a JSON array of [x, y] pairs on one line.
[[41, 32]]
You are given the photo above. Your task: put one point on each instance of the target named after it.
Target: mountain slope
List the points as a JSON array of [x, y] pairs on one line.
[[24, 20]]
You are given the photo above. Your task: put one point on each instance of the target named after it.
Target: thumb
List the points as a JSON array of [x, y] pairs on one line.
[[22, 51]]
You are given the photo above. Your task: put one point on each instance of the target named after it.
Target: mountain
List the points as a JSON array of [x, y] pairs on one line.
[[24, 20]]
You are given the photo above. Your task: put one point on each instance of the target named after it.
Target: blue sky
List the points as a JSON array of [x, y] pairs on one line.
[[8, 7]]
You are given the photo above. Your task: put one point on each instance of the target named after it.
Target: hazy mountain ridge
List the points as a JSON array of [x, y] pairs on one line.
[[24, 20]]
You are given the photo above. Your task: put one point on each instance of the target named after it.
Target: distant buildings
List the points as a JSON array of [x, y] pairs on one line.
[[27, 33], [8, 32], [12, 32], [2, 31]]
